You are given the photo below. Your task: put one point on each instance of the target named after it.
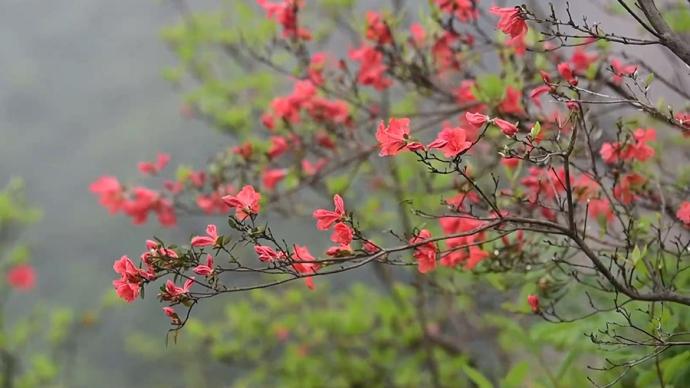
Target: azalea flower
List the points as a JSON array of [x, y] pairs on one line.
[[110, 192], [600, 209], [153, 168], [205, 269], [533, 302], [246, 202], [425, 253], [326, 218], [451, 141], [272, 177], [211, 238], [509, 129], [21, 277], [267, 253], [377, 30], [476, 119], [303, 264], [510, 21], [342, 234], [395, 137], [683, 212]]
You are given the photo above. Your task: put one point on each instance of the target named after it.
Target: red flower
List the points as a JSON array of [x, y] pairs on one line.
[[476, 119], [110, 192], [267, 253], [537, 92], [425, 253], [205, 269], [173, 292], [342, 234], [271, 178], [279, 145], [417, 34], [326, 218], [372, 68], [683, 212], [316, 66], [465, 10], [285, 13], [600, 209], [377, 30], [620, 70], [627, 185], [451, 141], [476, 255], [21, 277], [582, 59], [509, 129], [512, 103], [246, 202], [303, 264], [395, 137], [131, 277], [510, 21], [211, 238], [153, 168], [567, 73], [533, 302]]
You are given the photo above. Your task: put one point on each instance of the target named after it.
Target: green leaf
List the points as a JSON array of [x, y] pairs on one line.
[[476, 377], [536, 130], [516, 375]]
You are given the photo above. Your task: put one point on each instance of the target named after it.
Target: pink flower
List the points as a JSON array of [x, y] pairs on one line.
[[317, 63], [418, 34], [110, 193], [303, 264], [377, 30], [153, 168], [464, 10], [533, 302], [453, 258], [567, 73], [582, 59], [627, 186], [272, 177], [451, 141], [326, 218], [211, 238], [370, 248], [245, 150], [425, 253], [267, 253], [683, 212], [342, 234], [510, 21], [309, 168], [279, 145], [512, 103], [372, 69], [205, 269], [395, 137], [476, 119], [131, 277], [169, 312], [285, 13], [173, 292], [21, 277], [246, 202], [339, 251], [509, 129], [537, 92], [620, 70], [600, 209], [476, 255]]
